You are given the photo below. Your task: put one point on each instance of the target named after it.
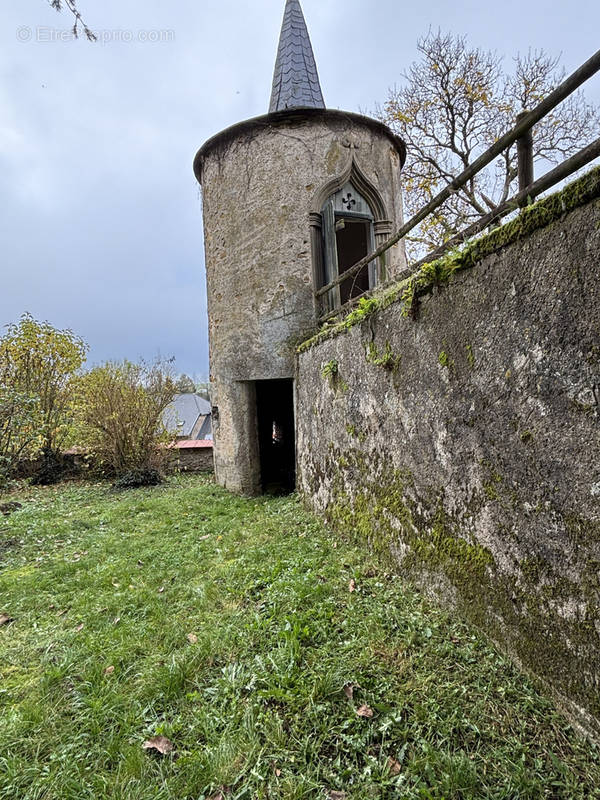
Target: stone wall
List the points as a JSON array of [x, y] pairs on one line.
[[195, 459], [459, 431]]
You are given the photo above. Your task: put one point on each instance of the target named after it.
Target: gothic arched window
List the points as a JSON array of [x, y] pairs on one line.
[[348, 236], [348, 221]]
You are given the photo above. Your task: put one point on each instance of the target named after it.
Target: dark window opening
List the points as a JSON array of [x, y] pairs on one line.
[[348, 235], [353, 240], [276, 435]]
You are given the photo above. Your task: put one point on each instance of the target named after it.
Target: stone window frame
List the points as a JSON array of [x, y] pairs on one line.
[[382, 225]]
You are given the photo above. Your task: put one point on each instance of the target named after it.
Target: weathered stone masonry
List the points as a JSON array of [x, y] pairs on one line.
[[261, 180], [289, 200], [466, 442], [451, 420]]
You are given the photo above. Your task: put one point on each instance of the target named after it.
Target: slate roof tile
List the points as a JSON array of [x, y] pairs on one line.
[[295, 77]]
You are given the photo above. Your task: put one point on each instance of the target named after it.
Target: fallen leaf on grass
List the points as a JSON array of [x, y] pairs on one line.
[[277, 773], [352, 585], [109, 670], [161, 590], [79, 628], [161, 744], [5, 620], [394, 767], [216, 796], [364, 711], [204, 538], [62, 613], [349, 690], [337, 795], [192, 638]]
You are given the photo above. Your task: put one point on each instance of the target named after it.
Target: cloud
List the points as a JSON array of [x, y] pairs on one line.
[[101, 222]]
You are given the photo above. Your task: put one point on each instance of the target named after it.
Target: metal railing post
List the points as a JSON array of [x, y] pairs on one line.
[[520, 133], [524, 158]]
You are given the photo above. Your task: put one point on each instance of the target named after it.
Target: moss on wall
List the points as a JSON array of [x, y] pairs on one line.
[[541, 617], [466, 448], [438, 272], [386, 359]]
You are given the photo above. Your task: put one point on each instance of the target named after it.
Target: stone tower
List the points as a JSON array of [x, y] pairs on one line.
[[290, 200]]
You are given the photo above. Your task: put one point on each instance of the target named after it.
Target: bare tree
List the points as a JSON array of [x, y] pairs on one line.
[[455, 103], [79, 23]]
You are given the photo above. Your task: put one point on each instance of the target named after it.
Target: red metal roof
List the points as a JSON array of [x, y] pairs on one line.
[[192, 444]]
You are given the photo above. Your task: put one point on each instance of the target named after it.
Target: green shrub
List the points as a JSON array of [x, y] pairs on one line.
[[120, 416]]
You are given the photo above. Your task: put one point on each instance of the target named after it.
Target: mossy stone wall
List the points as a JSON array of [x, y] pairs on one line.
[[463, 440]]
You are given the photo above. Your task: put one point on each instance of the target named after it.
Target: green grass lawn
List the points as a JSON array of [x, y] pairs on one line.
[[228, 625]]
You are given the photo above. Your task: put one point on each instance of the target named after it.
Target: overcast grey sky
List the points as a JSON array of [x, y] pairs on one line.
[[101, 225]]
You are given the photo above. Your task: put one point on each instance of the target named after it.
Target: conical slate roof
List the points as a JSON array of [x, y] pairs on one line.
[[296, 80]]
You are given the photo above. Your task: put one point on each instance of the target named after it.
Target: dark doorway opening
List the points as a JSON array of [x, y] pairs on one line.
[[353, 240], [276, 435]]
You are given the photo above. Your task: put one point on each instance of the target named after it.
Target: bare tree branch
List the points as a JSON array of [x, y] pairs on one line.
[[79, 23], [454, 104]]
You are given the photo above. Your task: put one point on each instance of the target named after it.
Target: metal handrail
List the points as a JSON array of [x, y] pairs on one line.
[[520, 131], [547, 181]]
